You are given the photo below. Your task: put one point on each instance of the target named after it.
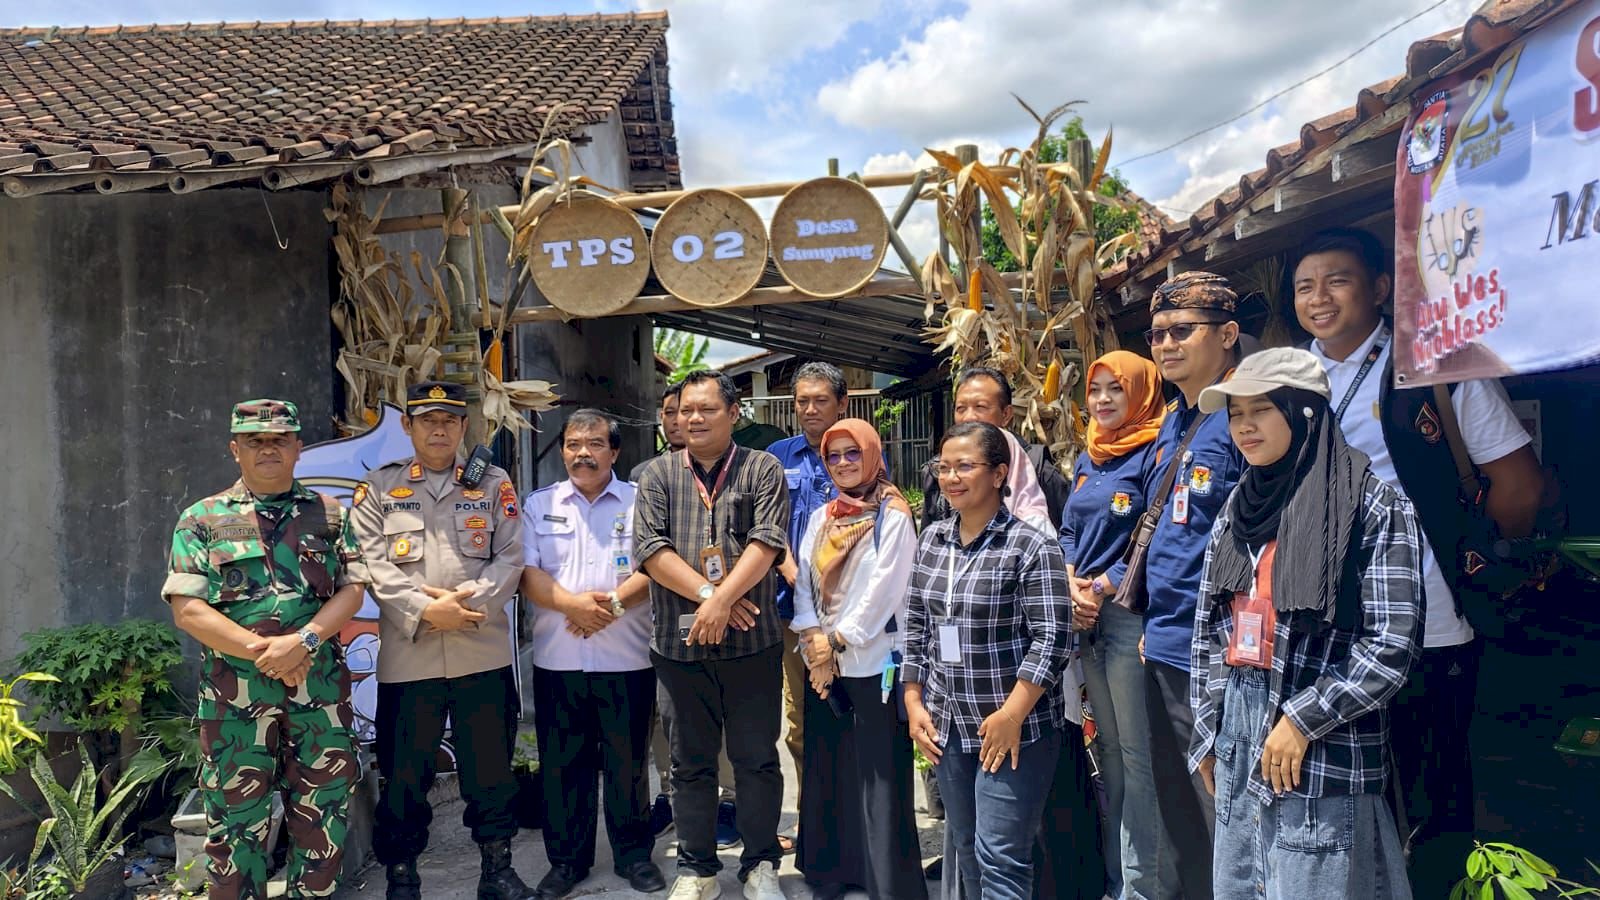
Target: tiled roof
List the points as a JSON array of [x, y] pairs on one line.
[[155, 101], [1379, 110]]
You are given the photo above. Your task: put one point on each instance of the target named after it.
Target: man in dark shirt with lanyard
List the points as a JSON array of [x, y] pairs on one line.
[[709, 525], [1194, 340]]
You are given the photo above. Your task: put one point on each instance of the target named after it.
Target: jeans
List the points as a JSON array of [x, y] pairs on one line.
[[740, 699], [1139, 857], [1333, 846], [992, 819]]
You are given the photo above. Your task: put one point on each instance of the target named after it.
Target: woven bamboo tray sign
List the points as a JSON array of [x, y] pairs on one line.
[[829, 236], [709, 247], [589, 256]]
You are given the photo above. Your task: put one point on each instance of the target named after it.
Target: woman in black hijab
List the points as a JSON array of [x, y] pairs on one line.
[[1308, 620]]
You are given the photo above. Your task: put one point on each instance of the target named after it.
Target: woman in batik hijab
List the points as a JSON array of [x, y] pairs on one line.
[[1308, 621], [857, 823]]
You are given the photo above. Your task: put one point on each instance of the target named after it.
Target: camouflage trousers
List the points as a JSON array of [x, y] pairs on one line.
[[307, 751]]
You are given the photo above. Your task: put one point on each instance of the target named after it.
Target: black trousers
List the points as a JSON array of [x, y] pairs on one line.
[[482, 712], [595, 726], [1187, 808], [741, 698], [1067, 858], [858, 821], [1428, 724]]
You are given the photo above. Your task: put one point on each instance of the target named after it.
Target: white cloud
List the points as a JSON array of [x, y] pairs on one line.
[[1156, 71], [740, 46]]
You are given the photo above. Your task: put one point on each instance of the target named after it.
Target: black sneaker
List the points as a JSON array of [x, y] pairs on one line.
[[727, 825], [660, 815]]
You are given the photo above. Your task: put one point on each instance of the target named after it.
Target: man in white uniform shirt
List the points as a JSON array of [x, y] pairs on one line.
[[1340, 284], [594, 688]]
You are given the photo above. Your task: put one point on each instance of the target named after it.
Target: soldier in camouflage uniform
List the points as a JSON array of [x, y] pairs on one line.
[[264, 575], [445, 558]]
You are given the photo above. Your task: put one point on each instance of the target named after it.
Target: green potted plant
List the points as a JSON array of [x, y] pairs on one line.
[[82, 831], [108, 678], [18, 740], [530, 785], [1496, 870]]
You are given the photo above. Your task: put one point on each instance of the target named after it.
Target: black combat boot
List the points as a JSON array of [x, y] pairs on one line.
[[404, 882], [497, 880]]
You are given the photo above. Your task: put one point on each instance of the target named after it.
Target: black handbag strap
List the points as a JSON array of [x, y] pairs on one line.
[[1159, 501]]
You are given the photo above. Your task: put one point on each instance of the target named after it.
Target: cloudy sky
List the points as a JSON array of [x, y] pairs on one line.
[[768, 90]]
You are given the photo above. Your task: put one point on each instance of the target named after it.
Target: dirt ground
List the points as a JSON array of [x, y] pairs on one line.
[[449, 868]]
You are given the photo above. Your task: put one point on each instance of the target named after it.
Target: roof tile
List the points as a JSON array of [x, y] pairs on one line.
[[296, 90]]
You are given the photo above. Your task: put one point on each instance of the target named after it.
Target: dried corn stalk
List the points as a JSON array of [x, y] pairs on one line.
[[1045, 218], [392, 333], [1265, 277], [395, 335]]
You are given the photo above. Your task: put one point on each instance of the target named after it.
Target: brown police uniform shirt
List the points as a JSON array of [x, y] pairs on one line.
[[412, 537]]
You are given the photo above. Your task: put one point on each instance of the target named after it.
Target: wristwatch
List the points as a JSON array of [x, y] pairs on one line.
[[617, 609], [836, 642], [705, 592], [309, 640]]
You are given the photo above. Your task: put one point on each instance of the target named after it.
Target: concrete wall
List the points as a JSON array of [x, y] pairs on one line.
[[133, 323]]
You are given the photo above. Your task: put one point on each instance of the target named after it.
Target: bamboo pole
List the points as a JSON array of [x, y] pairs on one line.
[[663, 199]]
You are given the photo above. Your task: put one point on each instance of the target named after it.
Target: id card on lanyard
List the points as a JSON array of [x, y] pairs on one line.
[[949, 631], [713, 564], [1255, 619]]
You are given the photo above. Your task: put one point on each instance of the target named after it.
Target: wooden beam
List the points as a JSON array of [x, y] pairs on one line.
[[761, 296], [1362, 159], [663, 199], [1300, 191]]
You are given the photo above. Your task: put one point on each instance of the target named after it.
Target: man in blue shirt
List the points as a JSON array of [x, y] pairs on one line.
[[820, 397], [1194, 340]]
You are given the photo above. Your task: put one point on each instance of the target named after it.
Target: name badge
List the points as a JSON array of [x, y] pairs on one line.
[[1180, 505], [712, 565], [623, 565], [949, 642]]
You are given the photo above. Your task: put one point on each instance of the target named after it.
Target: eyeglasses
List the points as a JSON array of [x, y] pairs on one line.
[[1180, 332], [848, 456], [959, 470]]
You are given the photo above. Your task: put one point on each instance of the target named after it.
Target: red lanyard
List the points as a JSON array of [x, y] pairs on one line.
[[727, 466]]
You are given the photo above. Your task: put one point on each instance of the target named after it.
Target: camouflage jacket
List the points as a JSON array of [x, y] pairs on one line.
[[270, 575]]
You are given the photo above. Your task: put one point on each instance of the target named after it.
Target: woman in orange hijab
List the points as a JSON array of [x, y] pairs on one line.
[[857, 822], [1108, 496]]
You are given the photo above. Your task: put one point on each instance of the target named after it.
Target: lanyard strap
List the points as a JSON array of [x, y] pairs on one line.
[[950, 577], [708, 498], [1361, 375]]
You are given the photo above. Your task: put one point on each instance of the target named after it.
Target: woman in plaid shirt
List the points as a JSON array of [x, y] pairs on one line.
[[987, 635], [1309, 618]]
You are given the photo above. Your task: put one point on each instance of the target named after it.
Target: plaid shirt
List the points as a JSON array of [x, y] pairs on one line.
[[668, 514], [1338, 683], [1011, 607]]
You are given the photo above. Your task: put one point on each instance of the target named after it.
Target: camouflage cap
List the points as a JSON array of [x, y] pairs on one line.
[[1195, 290], [431, 395], [265, 415]]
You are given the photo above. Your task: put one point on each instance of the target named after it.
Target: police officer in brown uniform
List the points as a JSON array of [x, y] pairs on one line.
[[445, 560]]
